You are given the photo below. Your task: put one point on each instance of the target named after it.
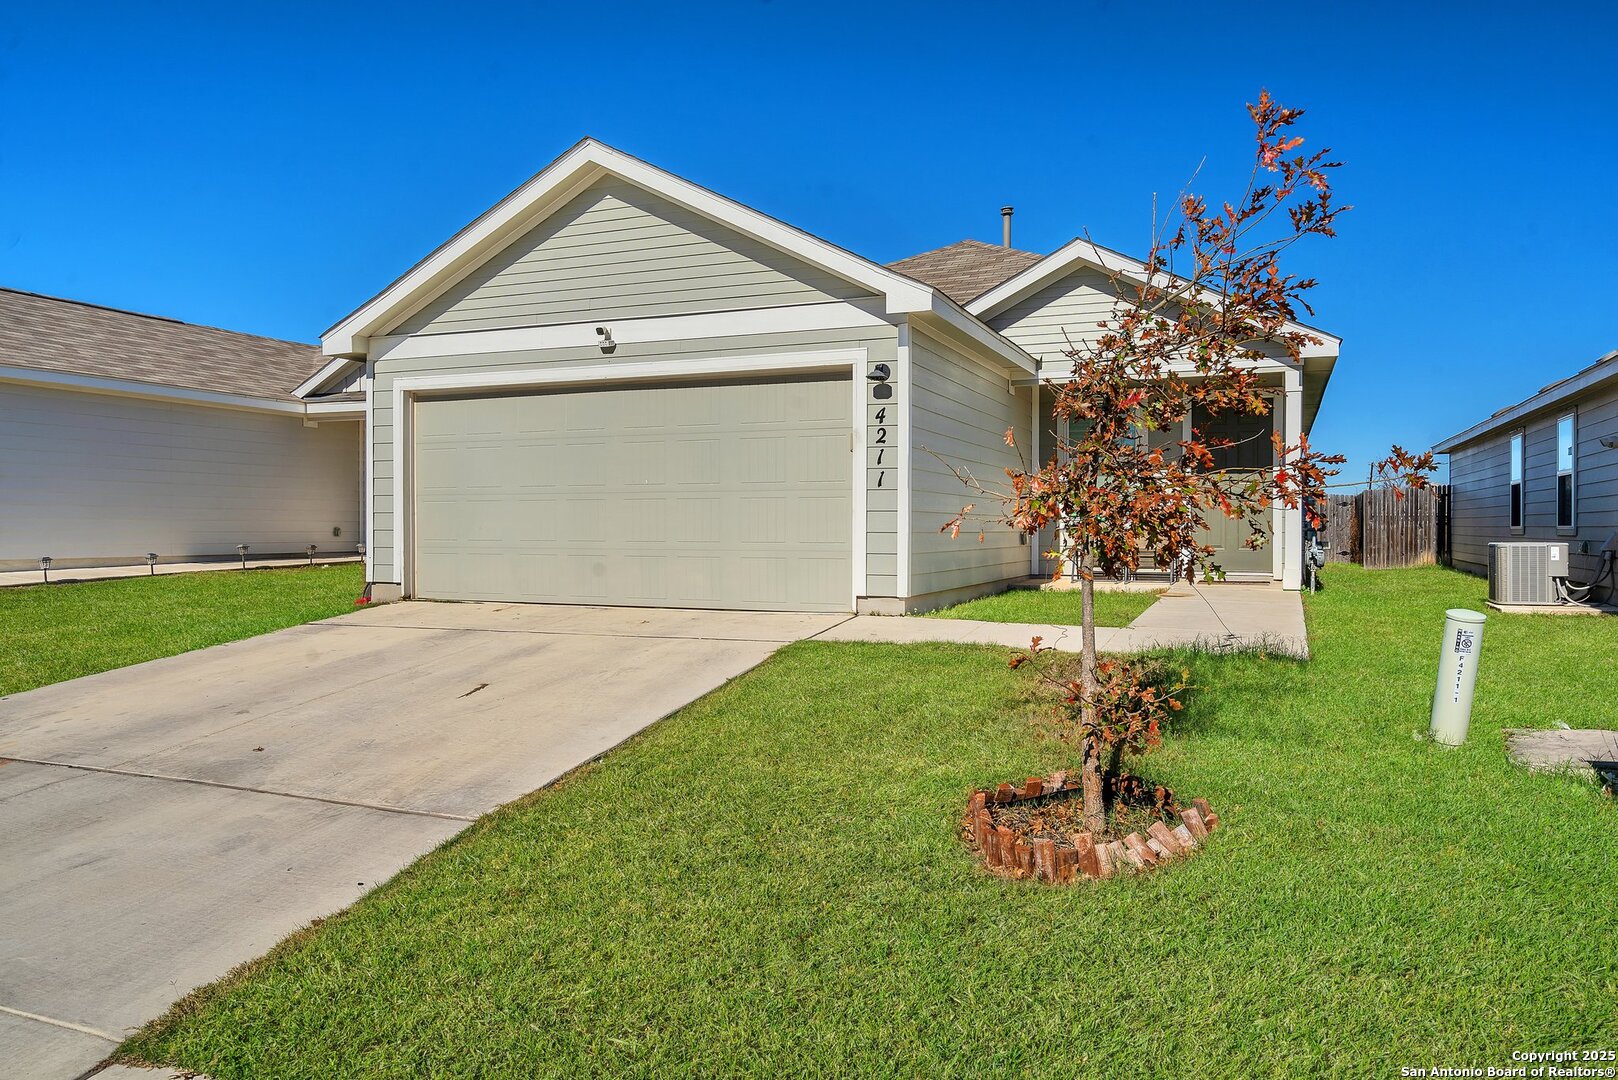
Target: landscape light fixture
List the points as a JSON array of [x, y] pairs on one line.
[[151, 563], [241, 549], [45, 567], [310, 551], [359, 549]]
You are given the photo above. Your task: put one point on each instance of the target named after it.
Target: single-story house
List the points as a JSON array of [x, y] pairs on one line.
[[617, 387], [122, 434], [1545, 468]]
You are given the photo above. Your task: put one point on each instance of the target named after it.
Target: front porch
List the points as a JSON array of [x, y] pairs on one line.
[[1293, 404]]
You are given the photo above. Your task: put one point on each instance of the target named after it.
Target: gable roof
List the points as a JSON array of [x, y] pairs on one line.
[[1555, 394], [966, 268], [71, 337], [1080, 252], [588, 161]]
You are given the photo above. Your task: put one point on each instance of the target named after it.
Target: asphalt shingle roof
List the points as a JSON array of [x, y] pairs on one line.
[[50, 334], [966, 269]]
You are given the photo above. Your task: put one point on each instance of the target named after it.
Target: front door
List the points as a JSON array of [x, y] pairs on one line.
[[1251, 448]]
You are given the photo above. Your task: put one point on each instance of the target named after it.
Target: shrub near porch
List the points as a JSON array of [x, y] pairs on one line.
[[772, 882]]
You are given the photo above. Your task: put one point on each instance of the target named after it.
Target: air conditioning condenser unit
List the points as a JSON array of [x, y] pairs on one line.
[[1525, 572]]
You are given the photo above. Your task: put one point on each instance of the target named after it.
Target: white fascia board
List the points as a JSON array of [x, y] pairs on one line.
[[1085, 253], [96, 384], [335, 410], [1059, 372], [1008, 353], [1554, 395], [584, 163], [508, 379], [668, 328], [326, 374]]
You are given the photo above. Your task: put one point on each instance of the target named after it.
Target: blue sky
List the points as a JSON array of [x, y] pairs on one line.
[[269, 167]]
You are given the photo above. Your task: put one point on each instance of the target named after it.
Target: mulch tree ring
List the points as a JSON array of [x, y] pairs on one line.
[[1037, 831]]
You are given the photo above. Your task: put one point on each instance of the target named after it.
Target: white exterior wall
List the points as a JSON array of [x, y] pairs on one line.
[[95, 479]]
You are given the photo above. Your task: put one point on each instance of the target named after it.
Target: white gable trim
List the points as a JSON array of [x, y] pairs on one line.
[[1080, 253], [587, 162], [317, 382], [580, 166]]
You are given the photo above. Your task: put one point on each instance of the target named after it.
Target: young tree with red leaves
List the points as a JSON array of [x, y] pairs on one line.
[[1189, 335]]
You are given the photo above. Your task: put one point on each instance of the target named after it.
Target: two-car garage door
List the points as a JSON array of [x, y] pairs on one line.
[[732, 495]]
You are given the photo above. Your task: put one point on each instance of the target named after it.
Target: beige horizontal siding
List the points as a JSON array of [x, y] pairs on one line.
[[1064, 314], [99, 477], [959, 414], [1066, 310], [616, 251]]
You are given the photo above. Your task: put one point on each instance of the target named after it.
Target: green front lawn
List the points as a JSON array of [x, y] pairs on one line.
[[1052, 606], [49, 633], [771, 883]]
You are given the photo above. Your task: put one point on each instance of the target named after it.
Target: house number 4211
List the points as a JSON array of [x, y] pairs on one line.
[[879, 441]]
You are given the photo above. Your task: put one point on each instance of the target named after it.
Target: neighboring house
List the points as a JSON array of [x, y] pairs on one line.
[[123, 433], [617, 387], [1542, 469]]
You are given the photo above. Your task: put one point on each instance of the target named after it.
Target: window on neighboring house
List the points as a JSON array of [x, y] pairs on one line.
[[1516, 481], [1564, 473]]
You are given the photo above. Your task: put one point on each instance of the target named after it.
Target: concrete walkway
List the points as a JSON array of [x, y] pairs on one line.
[[1210, 616], [102, 573], [162, 823], [1555, 749]]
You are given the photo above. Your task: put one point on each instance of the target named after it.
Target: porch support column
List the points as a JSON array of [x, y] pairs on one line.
[[1291, 533], [1034, 568]]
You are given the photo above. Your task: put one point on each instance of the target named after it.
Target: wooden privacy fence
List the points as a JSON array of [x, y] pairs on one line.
[[1380, 530]]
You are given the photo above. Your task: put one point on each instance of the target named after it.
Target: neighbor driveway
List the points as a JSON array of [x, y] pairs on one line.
[[162, 823]]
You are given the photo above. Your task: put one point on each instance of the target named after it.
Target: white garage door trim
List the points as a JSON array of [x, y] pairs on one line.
[[406, 390]]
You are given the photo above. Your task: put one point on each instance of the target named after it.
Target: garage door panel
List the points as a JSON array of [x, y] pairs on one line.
[[763, 580], [639, 463], [763, 460], [804, 404], [816, 576], [693, 520], [731, 495], [640, 521], [823, 460], [577, 465], [764, 521], [696, 462]]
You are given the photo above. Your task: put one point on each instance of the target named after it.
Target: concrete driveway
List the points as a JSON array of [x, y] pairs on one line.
[[165, 822]]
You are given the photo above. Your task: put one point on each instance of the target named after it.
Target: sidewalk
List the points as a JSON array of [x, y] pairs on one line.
[[101, 573], [1212, 616]]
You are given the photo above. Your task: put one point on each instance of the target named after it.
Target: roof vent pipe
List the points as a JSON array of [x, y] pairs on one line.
[[1005, 218]]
